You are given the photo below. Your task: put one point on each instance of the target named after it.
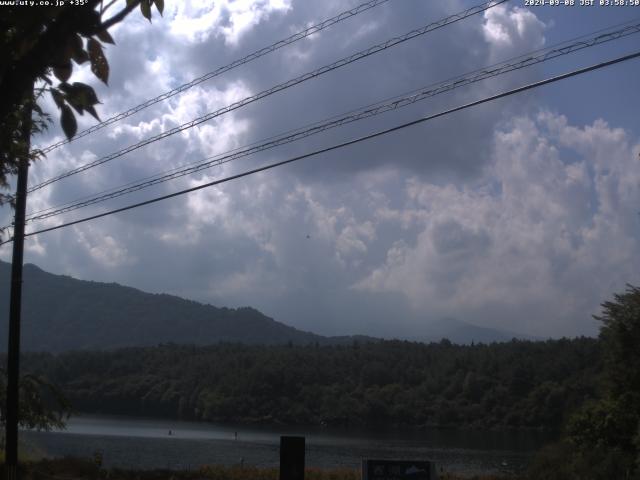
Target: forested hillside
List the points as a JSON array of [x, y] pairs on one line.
[[62, 313], [514, 384]]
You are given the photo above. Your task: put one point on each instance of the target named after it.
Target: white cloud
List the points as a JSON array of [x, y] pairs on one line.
[[197, 20], [511, 31], [337, 226], [545, 228], [104, 249]]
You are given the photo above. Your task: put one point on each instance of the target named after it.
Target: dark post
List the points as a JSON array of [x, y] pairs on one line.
[[291, 458], [13, 355]]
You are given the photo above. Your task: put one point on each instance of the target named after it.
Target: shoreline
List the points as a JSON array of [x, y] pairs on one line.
[[337, 427], [147, 445]]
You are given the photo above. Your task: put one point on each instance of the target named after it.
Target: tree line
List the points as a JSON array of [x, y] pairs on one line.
[[390, 383]]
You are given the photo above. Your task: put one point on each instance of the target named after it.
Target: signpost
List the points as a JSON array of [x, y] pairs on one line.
[[292, 458]]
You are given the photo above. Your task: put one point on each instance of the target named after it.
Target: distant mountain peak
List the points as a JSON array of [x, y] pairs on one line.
[[461, 332]]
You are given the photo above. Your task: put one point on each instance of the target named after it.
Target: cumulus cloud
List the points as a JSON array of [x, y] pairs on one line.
[[505, 215], [551, 226], [196, 20], [105, 250], [512, 30]]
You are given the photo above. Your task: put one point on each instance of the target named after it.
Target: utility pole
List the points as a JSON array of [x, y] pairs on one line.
[[13, 356]]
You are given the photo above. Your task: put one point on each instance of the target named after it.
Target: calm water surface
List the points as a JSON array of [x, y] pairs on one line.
[[146, 443]]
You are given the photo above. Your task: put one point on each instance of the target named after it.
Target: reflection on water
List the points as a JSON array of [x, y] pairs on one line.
[[147, 443]]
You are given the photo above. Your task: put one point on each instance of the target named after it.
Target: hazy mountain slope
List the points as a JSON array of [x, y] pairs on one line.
[[461, 332], [62, 313]]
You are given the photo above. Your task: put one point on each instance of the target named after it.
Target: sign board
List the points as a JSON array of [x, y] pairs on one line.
[[292, 458], [398, 470]]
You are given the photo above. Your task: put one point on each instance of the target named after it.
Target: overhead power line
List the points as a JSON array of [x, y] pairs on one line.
[[219, 71], [344, 144], [282, 86], [523, 61]]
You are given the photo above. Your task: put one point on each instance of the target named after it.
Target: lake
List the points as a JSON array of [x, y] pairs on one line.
[[146, 443]]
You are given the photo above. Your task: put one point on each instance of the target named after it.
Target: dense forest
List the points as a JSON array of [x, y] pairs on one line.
[[515, 384]]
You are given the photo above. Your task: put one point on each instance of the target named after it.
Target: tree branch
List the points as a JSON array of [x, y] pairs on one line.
[[109, 5], [118, 17]]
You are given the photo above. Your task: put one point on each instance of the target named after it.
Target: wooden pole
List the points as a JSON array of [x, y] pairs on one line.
[[13, 355]]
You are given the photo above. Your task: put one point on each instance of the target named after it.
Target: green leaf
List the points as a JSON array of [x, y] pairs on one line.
[[88, 21], [93, 112], [99, 64], [77, 106], [87, 93], [57, 97], [145, 8], [105, 37], [159, 5], [65, 87], [81, 56], [68, 122], [78, 52], [81, 97], [63, 71]]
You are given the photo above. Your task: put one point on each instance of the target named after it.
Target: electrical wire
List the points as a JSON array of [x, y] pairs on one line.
[[344, 144], [282, 86], [219, 71], [523, 61]]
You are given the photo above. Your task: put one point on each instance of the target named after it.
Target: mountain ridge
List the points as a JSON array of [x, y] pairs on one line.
[[61, 313], [465, 333]]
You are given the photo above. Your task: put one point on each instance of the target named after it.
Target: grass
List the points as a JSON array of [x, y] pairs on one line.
[[76, 469]]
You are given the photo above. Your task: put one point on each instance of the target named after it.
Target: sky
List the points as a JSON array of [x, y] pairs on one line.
[[520, 214]]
